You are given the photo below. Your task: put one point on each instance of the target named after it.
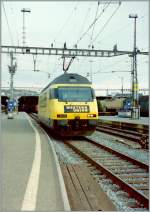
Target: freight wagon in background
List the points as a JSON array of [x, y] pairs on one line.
[[111, 105], [144, 105]]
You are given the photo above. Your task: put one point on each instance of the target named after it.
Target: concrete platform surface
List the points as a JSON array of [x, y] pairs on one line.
[[30, 178], [142, 120]]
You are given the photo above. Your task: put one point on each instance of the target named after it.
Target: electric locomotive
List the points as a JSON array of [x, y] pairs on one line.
[[68, 105]]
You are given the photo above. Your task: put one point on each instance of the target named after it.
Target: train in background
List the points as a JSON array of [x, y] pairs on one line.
[[113, 105], [68, 106]]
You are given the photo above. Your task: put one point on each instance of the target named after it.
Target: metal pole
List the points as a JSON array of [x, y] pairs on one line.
[[23, 27], [135, 67], [135, 113], [11, 86], [122, 85], [12, 69], [91, 71], [11, 76], [132, 80]]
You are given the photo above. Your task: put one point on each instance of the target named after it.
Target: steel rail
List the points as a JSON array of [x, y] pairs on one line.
[[119, 132], [123, 130], [141, 198], [126, 125], [140, 138], [119, 154]]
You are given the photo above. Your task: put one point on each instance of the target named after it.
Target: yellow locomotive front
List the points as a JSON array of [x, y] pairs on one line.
[[75, 110], [71, 106]]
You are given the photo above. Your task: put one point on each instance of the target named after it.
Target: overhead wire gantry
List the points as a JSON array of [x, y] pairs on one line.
[[69, 52]]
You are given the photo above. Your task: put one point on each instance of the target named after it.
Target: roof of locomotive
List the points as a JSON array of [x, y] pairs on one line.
[[69, 78]]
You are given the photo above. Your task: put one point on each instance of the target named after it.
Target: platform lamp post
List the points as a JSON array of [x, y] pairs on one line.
[[135, 112], [23, 27]]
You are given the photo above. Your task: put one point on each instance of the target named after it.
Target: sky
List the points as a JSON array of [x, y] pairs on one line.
[[60, 22]]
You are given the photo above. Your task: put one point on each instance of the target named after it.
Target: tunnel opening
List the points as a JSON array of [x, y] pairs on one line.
[[4, 100], [28, 104]]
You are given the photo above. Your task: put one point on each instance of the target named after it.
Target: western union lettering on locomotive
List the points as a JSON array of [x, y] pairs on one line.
[[76, 109]]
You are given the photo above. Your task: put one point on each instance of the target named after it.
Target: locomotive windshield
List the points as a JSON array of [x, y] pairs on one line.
[[75, 94]]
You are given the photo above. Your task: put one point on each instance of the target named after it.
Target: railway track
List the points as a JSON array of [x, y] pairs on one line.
[[129, 174], [143, 129], [142, 139]]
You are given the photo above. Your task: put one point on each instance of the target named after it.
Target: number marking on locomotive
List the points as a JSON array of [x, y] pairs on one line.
[[76, 109]]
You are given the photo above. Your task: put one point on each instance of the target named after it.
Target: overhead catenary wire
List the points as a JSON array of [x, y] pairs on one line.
[[122, 28], [8, 26], [114, 65], [14, 18], [109, 36], [85, 19], [82, 28], [95, 22], [63, 27], [65, 23], [102, 29], [90, 26]]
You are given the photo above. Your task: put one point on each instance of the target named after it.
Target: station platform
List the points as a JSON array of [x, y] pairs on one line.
[[31, 176], [141, 120], [140, 125]]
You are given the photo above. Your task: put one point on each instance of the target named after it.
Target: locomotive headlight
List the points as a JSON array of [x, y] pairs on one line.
[[61, 115], [91, 115]]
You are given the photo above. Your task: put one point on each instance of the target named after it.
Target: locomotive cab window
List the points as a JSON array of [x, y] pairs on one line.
[[75, 94], [53, 93], [42, 100]]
